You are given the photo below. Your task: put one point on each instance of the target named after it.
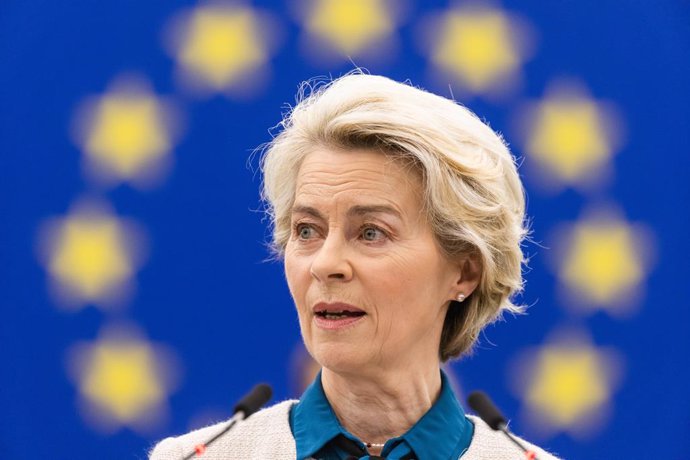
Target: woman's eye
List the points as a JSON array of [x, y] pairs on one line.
[[304, 232], [372, 234]]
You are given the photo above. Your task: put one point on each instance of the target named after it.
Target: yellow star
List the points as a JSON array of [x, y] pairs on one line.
[[567, 384], [90, 255], [127, 134], [602, 262], [479, 47], [121, 378], [570, 135], [350, 27], [221, 44]]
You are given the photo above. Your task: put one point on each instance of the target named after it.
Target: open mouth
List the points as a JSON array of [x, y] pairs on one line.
[[337, 311], [335, 315]]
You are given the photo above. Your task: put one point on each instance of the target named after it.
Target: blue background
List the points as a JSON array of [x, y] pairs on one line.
[[206, 290]]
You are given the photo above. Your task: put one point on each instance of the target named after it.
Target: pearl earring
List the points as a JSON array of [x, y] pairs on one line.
[[461, 297]]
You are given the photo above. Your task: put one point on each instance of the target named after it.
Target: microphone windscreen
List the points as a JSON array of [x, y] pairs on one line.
[[482, 405], [252, 401]]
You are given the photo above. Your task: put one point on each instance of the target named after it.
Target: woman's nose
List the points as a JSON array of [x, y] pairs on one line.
[[330, 262]]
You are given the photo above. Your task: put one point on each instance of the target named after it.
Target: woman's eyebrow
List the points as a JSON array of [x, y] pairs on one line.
[[361, 210], [299, 209], [358, 210]]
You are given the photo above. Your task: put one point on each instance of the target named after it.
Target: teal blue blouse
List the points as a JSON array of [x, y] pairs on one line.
[[442, 433]]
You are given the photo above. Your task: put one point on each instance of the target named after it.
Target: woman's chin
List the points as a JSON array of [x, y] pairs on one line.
[[339, 358]]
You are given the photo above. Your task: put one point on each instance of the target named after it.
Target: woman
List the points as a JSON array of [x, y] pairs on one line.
[[399, 215]]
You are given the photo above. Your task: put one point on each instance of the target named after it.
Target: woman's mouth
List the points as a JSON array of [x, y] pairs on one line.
[[339, 314], [336, 315]]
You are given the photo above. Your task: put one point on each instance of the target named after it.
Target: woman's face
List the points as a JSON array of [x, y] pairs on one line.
[[369, 281]]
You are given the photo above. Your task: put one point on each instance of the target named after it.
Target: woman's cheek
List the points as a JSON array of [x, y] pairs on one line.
[[298, 279]]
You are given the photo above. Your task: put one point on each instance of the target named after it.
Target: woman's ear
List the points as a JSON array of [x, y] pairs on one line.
[[470, 274]]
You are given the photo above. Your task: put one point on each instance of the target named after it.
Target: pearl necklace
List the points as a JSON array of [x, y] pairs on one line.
[[375, 444]]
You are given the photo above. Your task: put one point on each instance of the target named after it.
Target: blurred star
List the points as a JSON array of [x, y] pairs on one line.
[[602, 261], [222, 43], [91, 255], [120, 379], [127, 133], [480, 47], [349, 27], [567, 384], [222, 47], [570, 136], [123, 380]]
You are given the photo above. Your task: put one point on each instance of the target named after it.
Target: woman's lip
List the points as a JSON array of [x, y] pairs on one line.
[[333, 324], [337, 307]]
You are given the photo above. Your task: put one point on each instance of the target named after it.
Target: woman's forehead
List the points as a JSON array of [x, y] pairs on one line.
[[351, 169], [358, 183]]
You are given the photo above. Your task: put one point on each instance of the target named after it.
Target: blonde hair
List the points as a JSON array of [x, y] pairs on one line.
[[472, 192]]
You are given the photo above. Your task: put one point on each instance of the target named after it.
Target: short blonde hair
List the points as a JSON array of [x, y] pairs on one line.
[[473, 196]]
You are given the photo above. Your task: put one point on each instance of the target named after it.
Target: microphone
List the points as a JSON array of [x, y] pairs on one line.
[[487, 411], [250, 403], [253, 400]]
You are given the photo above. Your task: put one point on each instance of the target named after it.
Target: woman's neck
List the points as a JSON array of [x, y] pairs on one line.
[[382, 407]]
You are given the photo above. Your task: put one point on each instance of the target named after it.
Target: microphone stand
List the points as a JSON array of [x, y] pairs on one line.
[[252, 401], [490, 414], [199, 449]]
